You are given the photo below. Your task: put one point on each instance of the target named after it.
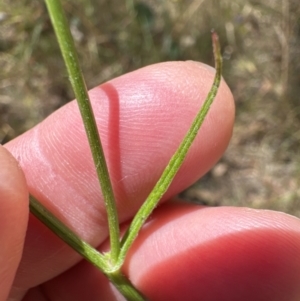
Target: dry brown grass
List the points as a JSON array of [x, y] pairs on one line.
[[261, 42]]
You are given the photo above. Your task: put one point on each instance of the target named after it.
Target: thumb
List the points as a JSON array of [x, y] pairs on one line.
[[13, 219]]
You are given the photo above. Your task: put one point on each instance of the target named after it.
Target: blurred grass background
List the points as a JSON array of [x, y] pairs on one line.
[[261, 50]]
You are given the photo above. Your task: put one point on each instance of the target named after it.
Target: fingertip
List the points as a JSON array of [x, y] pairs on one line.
[[142, 117], [224, 254], [156, 113], [13, 218]]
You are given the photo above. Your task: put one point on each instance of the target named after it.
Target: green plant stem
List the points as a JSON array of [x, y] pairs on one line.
[[99, 260], [67, 235], [125, 287], [68, 50], [176, 161]]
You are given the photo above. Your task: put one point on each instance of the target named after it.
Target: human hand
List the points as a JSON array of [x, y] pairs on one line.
[[184, 252]]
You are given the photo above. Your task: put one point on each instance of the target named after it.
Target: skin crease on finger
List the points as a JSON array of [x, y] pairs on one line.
[[142, 117]]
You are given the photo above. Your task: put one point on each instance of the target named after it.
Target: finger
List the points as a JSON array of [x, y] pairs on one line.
[[13, 219], [189, 253], [81, 282], [142, 117]]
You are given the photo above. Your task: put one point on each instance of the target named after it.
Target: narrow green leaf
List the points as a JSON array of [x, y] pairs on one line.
[[176, 161]]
